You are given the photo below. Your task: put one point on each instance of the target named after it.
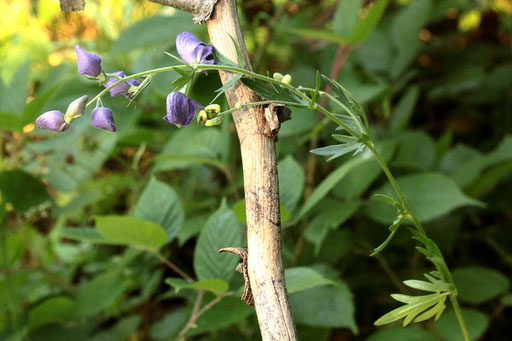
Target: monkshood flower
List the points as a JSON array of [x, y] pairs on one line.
[[127, 88], [180, 109], [88, 63], [76, 108], [192, 50], [121, 88], [103, 118], [52, 120]]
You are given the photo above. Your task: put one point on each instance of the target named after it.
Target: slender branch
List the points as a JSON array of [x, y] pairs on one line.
[[170, 264]]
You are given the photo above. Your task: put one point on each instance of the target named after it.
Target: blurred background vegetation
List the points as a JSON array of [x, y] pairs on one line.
[[436, 80]]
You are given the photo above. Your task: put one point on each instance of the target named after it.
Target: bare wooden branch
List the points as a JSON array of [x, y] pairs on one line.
[[201, 9], [72, 5], [261, 187]]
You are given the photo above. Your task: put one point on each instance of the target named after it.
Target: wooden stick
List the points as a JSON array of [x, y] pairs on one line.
[[72, 5], [261, 186]]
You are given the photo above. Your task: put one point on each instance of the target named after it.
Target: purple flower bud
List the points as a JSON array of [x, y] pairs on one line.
[[52, 120], [88, 63], [192, 50], [102, 118], [120, 89], [132, 82], [180, 109]]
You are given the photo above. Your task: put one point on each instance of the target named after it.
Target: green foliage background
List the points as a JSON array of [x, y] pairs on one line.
[[85, 215]]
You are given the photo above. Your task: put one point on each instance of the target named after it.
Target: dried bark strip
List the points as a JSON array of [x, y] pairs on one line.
[[72, 5], [242, 268], [202, 9], [261, 187]]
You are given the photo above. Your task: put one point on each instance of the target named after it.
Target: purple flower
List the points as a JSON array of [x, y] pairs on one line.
[[180, 109], [88, 63], [52, 120], [102, 118], [120, 89], [192, 50]]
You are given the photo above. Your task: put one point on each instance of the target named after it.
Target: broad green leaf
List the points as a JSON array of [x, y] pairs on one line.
[[449, 329], [291, 182], [214, 285], [507, 300], [22, 190], [53, 310], [96, 295], [364, 26], [478, 284], [402, 334], [169, 325], [131, 231], [325, 306], [122, 330], [154, 30], [303, 278], [13, 96], [35, 108], [79, 202], [325, 186], [221, 230], [317, 35], [346, 16], [415, 150], [84, 234], [430, 195], [160, 204], [404, 109], [331, 216], [228, 311], [191, 227], [10, 122]]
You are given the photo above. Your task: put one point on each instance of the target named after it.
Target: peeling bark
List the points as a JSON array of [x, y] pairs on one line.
[[72, 5], [202, 9]]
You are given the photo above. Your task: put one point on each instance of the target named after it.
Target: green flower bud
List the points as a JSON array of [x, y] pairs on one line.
[[212, 110], [214, 121], [278, 76], [76, 109], [202, 117], [287, 79], [238, 105]]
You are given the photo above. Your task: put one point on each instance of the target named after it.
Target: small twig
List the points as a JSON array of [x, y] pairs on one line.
[[197, 313], [170, 264]]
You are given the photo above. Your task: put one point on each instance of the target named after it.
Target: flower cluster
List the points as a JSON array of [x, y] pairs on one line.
[[180, 109]]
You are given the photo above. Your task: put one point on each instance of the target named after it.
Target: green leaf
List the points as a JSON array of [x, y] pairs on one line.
[[214, 285], [416, 150], [478, 284], [10, 122], [291, 182], [331, 216], [221, 230], [324, 306], [317, 35], [22, 190], [228, 311], [402, 334], [131, 231], [449, 329], [154, 30], [346, 16], [84, 234], [507, 300], [430, 195], [414, 306], [336, 150], [365, 26], [34, 108], [13, 96], [96, 295], [268, 91], [303, 278], [122, 330], [403, 111], [160, 204], [53, 310], [169, 325], [325, 186]]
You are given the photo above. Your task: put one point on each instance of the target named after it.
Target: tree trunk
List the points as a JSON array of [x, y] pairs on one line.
[[261, 186]]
